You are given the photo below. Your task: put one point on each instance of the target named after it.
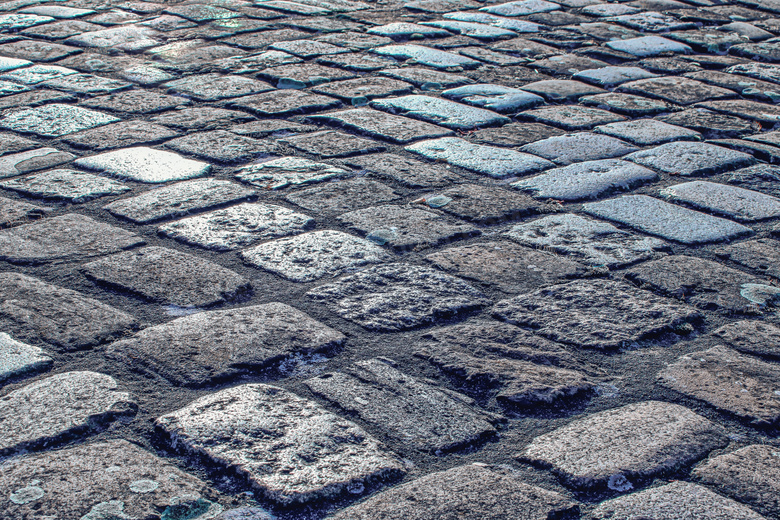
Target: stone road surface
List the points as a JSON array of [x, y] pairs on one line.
[[392, 259]]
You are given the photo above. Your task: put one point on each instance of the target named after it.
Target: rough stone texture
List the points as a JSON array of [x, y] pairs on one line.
[[374, 123], [17, 358], [441, 111], [67, 185], [511, 268], [737, 203], [63, 404], [470, 492], [648, 132], [169, 276], [689, 159], [586, 240], [334, 198], [633, 442], [409, 172], [311, 256], [402, 407], [288, 172], [24, 162], [142, 164], [750, 475], [237, 226], [91, 477], [482, 204], [64, 238], [600, 314], [312, 453], [584, 146], [14, 212], [398, 297], [215, 345], [330, 143], [55, 120], [741, 385], [751, 337]]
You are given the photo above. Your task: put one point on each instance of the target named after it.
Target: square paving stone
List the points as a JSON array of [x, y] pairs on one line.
[[311, 256], [313, 454], [670, 501], [666, 220], [270, 127], [374, 123], [428, 56], [220, 146], [307, 48], [764, 51], [14, 212], [739, 384], [11, 143], [751, 337], [473, 492], [136, 102], [749, 474], [30, 161], [419, 76], [755, 88], [588, 241], [366, 87], [403, 408], [762, 255], [703, 283], [129, 38], [514, 134], [299, 75], [55, 120], [760, 177], [100, 480], [682, 91], [118, 135], [629, 104], [648, 132], [284, 102], [691, 159], [35, 98], [633, 442], [15, 22], [509, 267], [763, 71], [334, 198], [218, 345], [494, 162], [652, 45], [584, 146], [482, 204], [288, 172], [408, 172], [63, 238], [86, 84], [357, 62], [761, 112], [406, 30], [561, 90], [711, 124], [441, 111], [201, 118], [731, 201], [612, 75], [598, 314], [573, 117], [404, 228], [521, 8], [398, 297], [178, 199], [37, 51], [490, 57], [143, 164], [58, 405], [169, 276], [329, 143], [212, 87], [18, 358], [652, 21], [495, 97], [36, 74], [238, 226], [565, 64], [69, 185]]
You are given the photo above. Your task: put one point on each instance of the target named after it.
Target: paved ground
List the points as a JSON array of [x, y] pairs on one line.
[[385, 260]]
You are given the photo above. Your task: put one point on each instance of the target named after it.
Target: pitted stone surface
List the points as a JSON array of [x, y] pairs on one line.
[[312, 454], [24, 162], [14, 212], [118, 135], [168, 276], [494, 97], [428, 56], [283, 102], [220, 146], [751, 337], [761, 255], [583, 146], [55, 120], [600, 314], [288, 172], [689, 159], [69, 185], [403, 407], [210, 87], [144, 164], [637, 441], [18, 358], [63, 403], [572, 117], [733, 202], [337, 197], [178, 199], [441, 111], [395, 297], [214, 345], [64, 238], [682, 91], [88, 477], [648, 132], [329, 143], [377, 124], [238, 226], [406, 171]]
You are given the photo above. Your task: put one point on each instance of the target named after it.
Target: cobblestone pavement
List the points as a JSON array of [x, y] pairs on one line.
[[434, 259]]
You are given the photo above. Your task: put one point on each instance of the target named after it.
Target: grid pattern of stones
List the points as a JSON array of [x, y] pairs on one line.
[[683, 88]]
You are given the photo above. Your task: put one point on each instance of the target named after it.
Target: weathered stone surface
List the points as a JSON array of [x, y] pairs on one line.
[[17, 358], [405, 228], [402, 407], [688, 159], [441, 111], [648, 132], [63, 238], [220, 146], [610, 76], [494, 97], [572, 117], [24, 162], [106, 479], [737, 203], [682, 91], [330, 143], [12, 143], [420, 76], [751, 337], [600, 314], [398, 297], [365, 87], [135, 101], [216, 345], [660, 218], [55, 120], [742, 385], [470, 492], [671, 501], [283, 102], [583, 146], [703, 283], [33, 310], [211, 87], [14, 212], [311, 256], [288, 172], [69, 185], [428, 56], [374, 123], [178, 199], [312, 453], [406, 171], [58, 405], [750, 475], [201, 118], [118, 135], [238, 226], [482, 204], [633, 442], [142, 164], [562, 89], [169, 276], [334, 198]]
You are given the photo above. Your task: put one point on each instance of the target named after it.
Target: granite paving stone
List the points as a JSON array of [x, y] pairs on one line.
[[669, 221], [709, 123], [754, 110], [513, 24], [211, 87], [764, 51], [514, 134], [201, 118], [365, 87], [237, 226], [216, 345], [763, 90], [307, 48], [561, 90], [283, 102], [297, 75], [288, 172], [120, 135], [135, 102], [405, 30], [129, 38], [342, 196], [572, 117], [599, 314], [356, 62], [612, 75], [408, 172], [760, 255], [760, 177], [474, 30], [178, 199], [143, 164], [70, 185], [648, 132], [751, 337], [758, 70], [633, 442], [330, 144], [398, 297], [374, 123], [651, 21], [64, 403], [86, 84], [440, 111], [490, 57], [220, 146], [36, 74], [18, 358], [525, 47], [521, 8], [55, 120], [35, 98], [420, 76], [32, 160], [168, 276], [583, 146], [15, 212], [313, 453], [428, 56], [482, 204], [494, 97], [402, 407], [12, 143], [682, 91], [629, 104], [691, 159], [270, 127], [35, 311], [731, 201]]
